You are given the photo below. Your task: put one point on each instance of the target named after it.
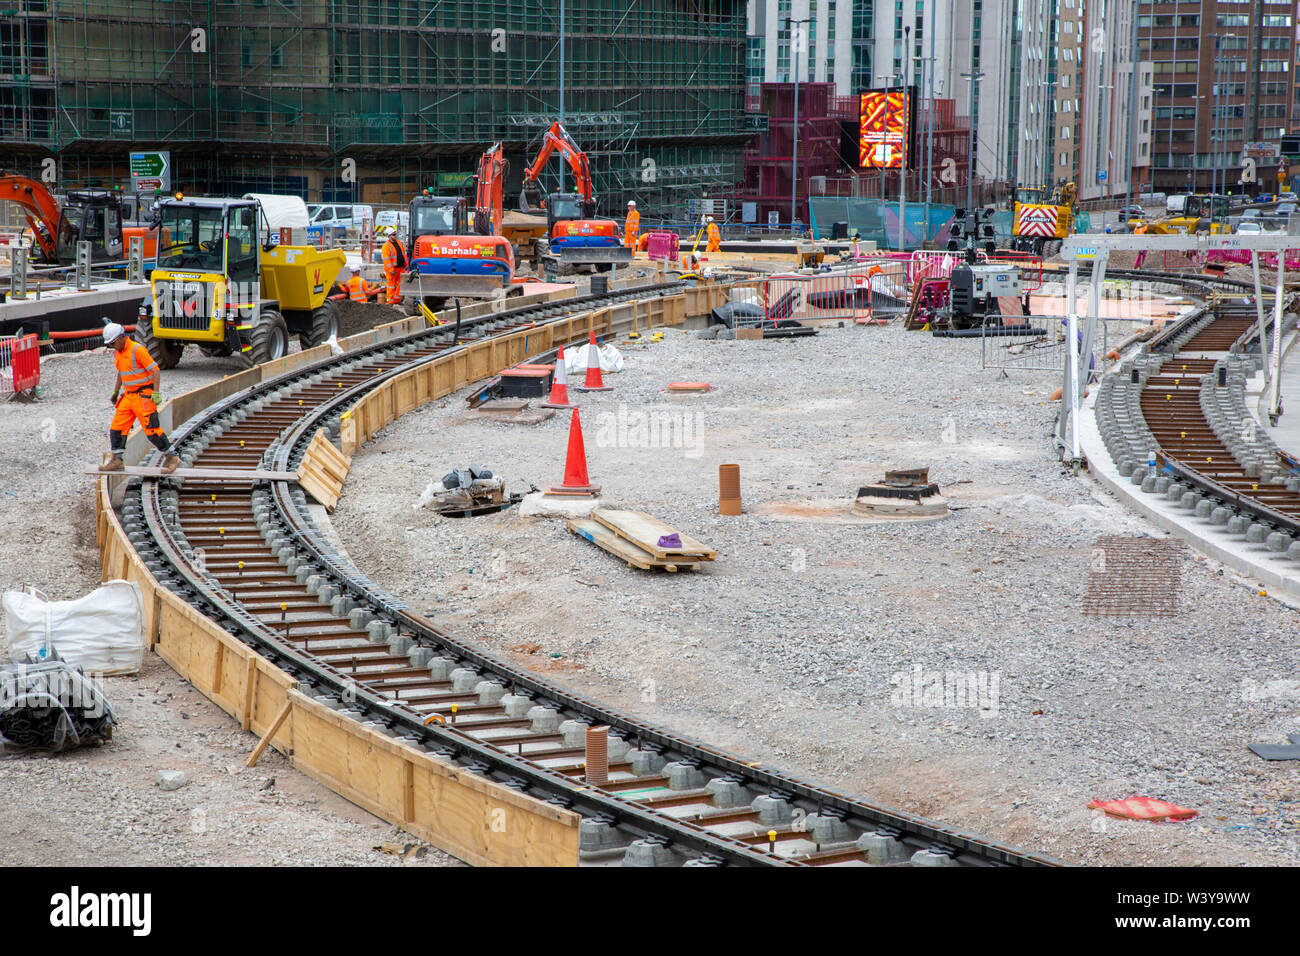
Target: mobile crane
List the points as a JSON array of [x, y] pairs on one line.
[[458, 252], [574, 237]]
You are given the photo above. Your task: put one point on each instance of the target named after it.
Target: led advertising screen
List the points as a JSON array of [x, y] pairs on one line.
[[885, 129]]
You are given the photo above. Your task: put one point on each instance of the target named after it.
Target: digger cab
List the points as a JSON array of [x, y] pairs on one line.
[[436, 216], [94, 216]]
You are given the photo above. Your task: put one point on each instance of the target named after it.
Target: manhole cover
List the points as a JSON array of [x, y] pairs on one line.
[[1134, 577]]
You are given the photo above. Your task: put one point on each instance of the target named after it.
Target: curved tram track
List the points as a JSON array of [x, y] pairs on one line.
[[248, 556]]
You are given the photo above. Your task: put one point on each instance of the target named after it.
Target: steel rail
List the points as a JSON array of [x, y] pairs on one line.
[[175, 568]]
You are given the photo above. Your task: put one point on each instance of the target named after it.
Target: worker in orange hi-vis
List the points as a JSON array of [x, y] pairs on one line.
[[632, 225], [359, 290], [715, 237], [137, 379], [394, 254]]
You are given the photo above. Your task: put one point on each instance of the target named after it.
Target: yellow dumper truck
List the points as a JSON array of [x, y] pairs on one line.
[[220, 284]]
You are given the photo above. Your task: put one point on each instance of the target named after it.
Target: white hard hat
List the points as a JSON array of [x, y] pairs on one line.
[[631, 202], [390, 231], [710, 219], [112, 332], [356, 268]]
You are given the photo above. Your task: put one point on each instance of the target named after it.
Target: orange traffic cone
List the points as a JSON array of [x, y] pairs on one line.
[[559, 385], [576, 482], [594, 382]]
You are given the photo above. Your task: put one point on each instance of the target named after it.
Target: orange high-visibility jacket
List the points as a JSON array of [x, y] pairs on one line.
[[630, 228], [394, 255], [357, 289], [715, 237], [135, 365]]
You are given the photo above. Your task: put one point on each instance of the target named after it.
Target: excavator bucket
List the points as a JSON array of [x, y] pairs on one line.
[[530, 198]]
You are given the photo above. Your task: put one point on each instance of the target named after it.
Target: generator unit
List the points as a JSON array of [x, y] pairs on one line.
[[974, 291]]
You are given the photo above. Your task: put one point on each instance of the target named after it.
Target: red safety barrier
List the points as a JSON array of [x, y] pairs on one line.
[[20, 363]]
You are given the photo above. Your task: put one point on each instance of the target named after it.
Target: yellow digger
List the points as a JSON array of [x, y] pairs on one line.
[[221, 285], [1202, 212], [1042, 219]]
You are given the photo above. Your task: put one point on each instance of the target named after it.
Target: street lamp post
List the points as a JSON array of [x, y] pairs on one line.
[[974, 77], [929, 131], [795, 47], [902, 166], [1132, 100]]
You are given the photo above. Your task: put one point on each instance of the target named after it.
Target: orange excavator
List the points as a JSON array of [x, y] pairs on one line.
[[87, 215], [574, 236], [457, 251]]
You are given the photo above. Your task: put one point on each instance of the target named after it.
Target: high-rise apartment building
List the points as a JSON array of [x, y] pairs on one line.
[[1222, 85]]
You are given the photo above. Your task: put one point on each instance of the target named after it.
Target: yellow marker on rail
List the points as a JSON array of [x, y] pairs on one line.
[[771, 841]]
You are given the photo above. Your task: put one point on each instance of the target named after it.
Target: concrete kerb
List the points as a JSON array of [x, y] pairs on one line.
[[1251, 560]]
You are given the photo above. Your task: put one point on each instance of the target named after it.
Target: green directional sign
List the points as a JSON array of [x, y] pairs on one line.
[[151, 172]]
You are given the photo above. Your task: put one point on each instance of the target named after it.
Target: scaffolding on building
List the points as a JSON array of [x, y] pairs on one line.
[[275, 94]]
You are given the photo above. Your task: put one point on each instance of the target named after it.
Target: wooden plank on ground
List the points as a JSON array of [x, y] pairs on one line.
[[645, 530], [603, 538], [224, 474]]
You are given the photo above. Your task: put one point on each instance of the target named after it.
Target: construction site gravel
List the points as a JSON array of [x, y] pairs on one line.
[[102, 806], [820, 642]]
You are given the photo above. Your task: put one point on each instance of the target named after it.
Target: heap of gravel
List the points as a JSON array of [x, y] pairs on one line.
[[102, 806], [792, 647]]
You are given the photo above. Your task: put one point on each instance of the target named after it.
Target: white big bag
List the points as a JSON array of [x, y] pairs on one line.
[[102, 632]]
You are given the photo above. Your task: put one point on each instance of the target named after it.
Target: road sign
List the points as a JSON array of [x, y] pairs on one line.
[[773, 219], [151, 172], [1101, 175]]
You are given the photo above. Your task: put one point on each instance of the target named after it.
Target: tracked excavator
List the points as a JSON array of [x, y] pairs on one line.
[[457, 251], [86, 215], [575, 238]]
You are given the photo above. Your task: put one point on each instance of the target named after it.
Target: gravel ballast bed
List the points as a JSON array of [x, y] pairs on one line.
[[794, 646]]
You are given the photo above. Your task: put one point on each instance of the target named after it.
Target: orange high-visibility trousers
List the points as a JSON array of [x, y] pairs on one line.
[[133, 407], [630, 229], [393, 283]]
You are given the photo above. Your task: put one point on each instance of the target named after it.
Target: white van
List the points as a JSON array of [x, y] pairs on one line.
[[334, 219], [1175, 205], [281, 212], [399, 219]]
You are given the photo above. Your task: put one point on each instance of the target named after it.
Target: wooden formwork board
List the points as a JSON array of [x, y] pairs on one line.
[[323, 471], [464, 814]]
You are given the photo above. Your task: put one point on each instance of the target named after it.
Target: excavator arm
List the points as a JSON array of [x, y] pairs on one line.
[[558, 138], [41, 209], [488, 203]]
